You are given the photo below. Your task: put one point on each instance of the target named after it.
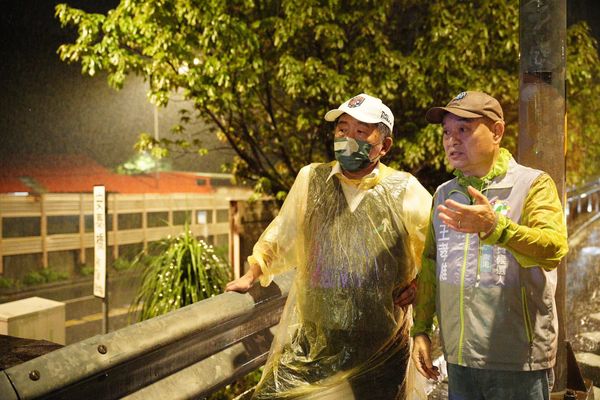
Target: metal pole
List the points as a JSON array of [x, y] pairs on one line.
[[542, 117], [156, 134], [157, 138], [105, 310]]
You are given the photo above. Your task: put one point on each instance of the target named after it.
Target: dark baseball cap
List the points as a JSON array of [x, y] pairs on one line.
[[468, 104]]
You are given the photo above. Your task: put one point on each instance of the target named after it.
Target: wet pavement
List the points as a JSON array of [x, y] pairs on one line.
[[583, 291]]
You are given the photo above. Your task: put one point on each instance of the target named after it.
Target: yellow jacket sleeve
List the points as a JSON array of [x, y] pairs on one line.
[[541, 237], [278, 247], [424, 307], [416, 206]]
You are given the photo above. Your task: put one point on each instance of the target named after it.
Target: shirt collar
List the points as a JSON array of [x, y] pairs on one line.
[[337, 169]]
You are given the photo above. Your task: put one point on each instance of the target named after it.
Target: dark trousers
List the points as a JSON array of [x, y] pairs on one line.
[[466, 383]]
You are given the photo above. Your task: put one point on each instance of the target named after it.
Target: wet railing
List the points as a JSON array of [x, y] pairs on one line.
[[583, 205], [188, 353]]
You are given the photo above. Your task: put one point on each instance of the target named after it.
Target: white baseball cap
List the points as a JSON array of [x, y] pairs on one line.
[[364, 108]]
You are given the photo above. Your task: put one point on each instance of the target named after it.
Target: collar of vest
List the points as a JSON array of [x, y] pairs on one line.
[[498, 169]]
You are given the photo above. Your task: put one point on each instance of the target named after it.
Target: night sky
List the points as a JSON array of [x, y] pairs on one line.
[[48, 106]]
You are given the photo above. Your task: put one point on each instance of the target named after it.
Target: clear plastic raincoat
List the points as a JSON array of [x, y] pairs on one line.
[[354, 244]]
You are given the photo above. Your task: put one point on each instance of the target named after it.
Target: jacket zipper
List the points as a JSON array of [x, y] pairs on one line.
[[462, 300], [462, 277], [528, 326]]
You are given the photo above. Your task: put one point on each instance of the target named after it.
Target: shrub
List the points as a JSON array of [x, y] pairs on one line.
[[236, 388], [46, 275], [179, 271], [6, 283], [33, 278], [86, 270], [122, 264]]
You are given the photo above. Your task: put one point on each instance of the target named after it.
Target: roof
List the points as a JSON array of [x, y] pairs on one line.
[[79, 174]]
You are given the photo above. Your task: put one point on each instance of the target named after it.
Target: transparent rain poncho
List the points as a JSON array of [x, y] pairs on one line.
[[353, 246]]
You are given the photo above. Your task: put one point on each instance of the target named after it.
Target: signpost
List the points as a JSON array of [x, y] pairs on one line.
[[100, 239]]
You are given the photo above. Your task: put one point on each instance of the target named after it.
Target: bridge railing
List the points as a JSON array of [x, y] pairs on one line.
[[187, 353], [584, 199]]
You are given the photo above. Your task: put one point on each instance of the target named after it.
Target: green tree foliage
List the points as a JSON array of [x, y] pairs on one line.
[[583, 106], [262, 73]]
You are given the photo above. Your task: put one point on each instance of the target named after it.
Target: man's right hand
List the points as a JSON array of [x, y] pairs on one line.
[[244, 282], [241, 284], [421, 355]]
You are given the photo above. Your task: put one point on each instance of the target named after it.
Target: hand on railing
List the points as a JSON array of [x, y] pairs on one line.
[[244, 282]]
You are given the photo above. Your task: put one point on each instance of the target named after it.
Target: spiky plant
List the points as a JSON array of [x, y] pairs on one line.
[[179, 271]]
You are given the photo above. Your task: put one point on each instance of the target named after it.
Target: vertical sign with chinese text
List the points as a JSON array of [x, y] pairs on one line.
[[99, 241]]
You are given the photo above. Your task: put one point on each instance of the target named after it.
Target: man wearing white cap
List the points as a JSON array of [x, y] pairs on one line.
[[353, 229], [496, 236]]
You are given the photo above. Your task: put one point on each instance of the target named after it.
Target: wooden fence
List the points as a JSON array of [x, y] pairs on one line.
[[207, 215]]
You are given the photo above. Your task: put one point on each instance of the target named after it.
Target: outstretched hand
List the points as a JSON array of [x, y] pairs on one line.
[[475, 218]]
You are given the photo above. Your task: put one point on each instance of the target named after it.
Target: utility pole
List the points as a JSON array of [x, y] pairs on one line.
[[542, 118], [157, 138]]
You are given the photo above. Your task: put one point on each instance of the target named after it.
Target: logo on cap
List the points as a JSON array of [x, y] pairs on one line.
[[356, 101], [458, 98], [461, 95], [385, 117]]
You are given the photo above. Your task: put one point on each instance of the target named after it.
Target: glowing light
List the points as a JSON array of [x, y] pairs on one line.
[[184, 69]]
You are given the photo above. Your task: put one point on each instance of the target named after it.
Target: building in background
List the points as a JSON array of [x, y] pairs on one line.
[[46, 211]]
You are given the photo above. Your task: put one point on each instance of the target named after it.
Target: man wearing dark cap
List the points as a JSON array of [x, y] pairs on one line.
[[488, 272], [353, 229]]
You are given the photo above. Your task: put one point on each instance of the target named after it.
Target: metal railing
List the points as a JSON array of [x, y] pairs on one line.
[[584, 199], [187, 353]]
